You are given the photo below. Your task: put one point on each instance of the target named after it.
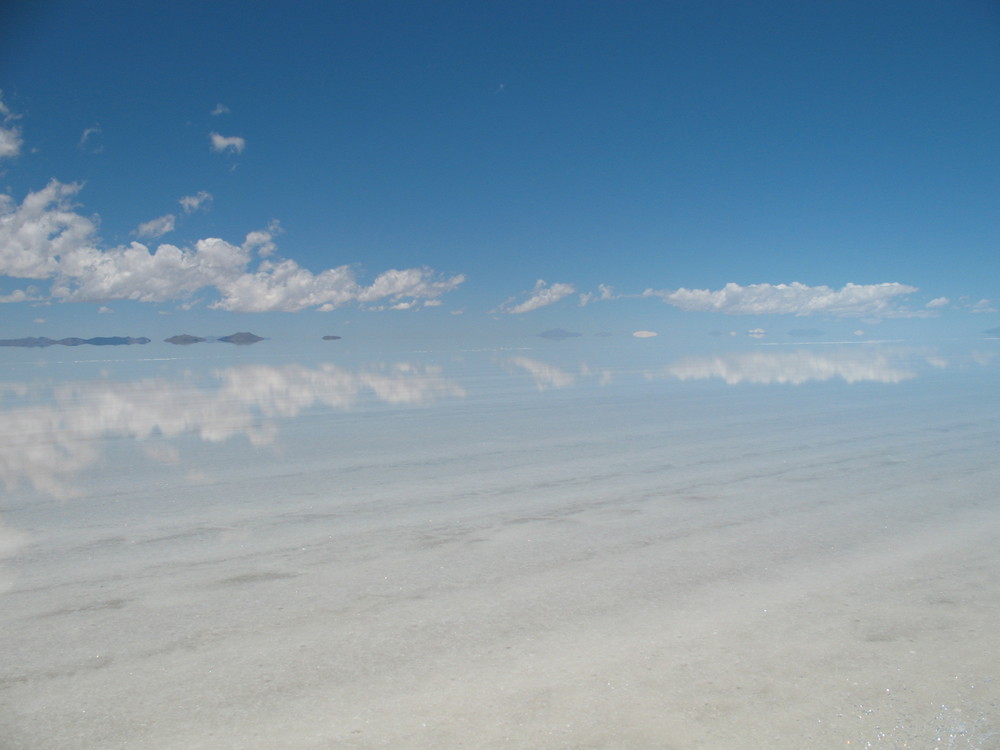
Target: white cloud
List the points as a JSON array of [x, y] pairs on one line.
[[10, 137], [938, 302], [853, 300], [220, 109], [10, 142], [18, 295], [104, 310], [157, 227], [44, 227], [44, 238], [286, 286], [91, 275], [262, 241], [228, 143], [417, 283], [644, 334], [542, 295], [191, 203], [982, 306]]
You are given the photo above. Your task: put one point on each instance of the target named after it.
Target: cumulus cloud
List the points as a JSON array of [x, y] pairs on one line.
[[191, 203], [853, 300], [44, 227], [262, 241], [157, 227], [44, 238], [543, 294], [10, 135], [982, 306], [231, 143], [938, 302]]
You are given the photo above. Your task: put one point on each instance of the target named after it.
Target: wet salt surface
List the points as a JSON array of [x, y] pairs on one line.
[[778, 548]]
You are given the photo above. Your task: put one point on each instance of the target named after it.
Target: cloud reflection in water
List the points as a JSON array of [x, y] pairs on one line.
[[852, 365], [45, 445]]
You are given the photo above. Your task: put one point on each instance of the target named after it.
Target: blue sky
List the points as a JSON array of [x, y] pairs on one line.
[[431, 167]]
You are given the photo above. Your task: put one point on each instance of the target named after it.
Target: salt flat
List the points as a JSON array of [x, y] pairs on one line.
[[549, 548]]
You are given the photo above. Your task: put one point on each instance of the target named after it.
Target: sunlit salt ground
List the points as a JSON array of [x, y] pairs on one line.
[[580, 544]]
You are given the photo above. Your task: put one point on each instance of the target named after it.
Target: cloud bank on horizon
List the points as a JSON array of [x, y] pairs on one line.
[[46, 239], [853, 300]]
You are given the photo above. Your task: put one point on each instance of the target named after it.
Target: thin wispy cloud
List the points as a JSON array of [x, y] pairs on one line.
[[45, 238], [604, 292], [852, 300], [982, 306], [543, 294], [88, 140], [156, 227], [232, 144], [191, 203], [220, 109]]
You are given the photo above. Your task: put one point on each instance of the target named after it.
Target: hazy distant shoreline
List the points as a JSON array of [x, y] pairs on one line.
[[241, 338]]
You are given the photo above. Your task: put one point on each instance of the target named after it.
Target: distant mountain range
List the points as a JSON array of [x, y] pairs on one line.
[[98, 341], [183, 339]]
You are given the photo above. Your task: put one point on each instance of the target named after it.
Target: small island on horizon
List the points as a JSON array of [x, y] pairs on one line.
[[557, 334], [243, 338]]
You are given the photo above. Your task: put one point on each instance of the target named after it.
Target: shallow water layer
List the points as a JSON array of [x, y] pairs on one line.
[[567, 546]]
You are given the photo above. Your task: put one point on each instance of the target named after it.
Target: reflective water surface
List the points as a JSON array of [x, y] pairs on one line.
[[577, 544]]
